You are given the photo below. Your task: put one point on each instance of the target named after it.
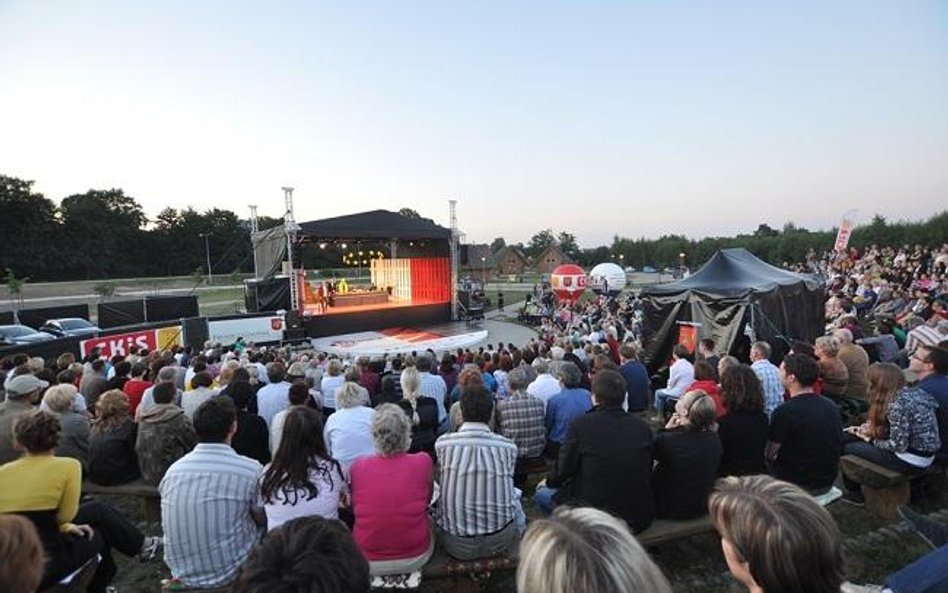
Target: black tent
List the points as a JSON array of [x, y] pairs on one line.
[[734, 297]]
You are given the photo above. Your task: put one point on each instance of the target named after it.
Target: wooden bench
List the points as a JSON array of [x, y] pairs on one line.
[[176, 586], [884, 489], [466, 574], [662, 530], [146, 493]]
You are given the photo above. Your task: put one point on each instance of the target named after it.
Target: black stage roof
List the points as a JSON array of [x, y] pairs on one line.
[[375, 224]]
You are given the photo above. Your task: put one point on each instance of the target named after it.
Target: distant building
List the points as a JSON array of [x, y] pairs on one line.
[[511, 260], [550, 258], [477, 261]]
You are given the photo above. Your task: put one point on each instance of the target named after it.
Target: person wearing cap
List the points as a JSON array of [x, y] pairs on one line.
[[23, 393]]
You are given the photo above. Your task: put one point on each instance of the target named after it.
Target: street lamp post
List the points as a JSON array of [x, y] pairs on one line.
[[681, 262], [207, 254], [484, 271]]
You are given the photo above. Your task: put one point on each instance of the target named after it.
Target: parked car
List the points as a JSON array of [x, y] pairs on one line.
[[648, 270], [70, 326], [21, 334]]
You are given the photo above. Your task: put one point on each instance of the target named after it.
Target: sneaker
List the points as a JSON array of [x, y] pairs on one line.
[[150, 548], [854, 497], [931, 531]]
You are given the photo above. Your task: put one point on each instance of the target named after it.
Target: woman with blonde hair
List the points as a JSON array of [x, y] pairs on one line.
[[348, 431], [74, 439], [776, 537], [901, 432], [832, 370], [332, 380], [585, 549], [423, 412], [687, 454], [112, 458]]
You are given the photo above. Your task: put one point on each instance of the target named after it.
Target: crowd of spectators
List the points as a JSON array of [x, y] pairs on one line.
[[255, 449]]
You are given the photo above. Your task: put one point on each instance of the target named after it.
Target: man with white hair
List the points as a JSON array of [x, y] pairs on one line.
[[546, 385], [769, 376], [857, 363]]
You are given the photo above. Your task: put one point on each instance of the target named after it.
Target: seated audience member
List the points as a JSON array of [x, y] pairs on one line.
[[930, 365], [687, 454], [21, 555], [23, 392], [74, 439], [120, 375], [298, 396], [391, 524], [112, 458], [901, 432], [832, 370], [743, 429], [585, 549], [165, 435], [475, 522], [135, 387], [520, 419], [348, 431], [307, 555], [768, 374], [546, 385], [705, 380], [805, 438], [273, 397], [681, 374], [606, 460], [776, 537], [706, 353], [636, 379], [93, 382], [332, 380], [423, 412], [302, 479], [434, 387], [201, 390], [252, 438], [389, 391], [166, 374], [928, 574], [210, 513], [856, 361], [570, 403], [469, 377], [46, 489]]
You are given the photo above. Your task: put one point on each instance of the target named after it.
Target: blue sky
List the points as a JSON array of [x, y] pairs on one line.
[[600, 118]]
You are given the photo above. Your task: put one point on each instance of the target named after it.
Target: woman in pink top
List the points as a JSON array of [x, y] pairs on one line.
[[391, 524]]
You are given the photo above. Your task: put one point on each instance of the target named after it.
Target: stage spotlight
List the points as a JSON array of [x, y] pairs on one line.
[[322, 245], [344, 246]]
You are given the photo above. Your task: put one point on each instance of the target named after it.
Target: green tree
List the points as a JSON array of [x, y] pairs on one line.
[[409, 212], [497, 244], [540, 241], [104, 231], [31, 238], [567, 243]]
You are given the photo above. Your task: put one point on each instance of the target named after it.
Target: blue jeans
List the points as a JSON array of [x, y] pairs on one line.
[[928, 574], [661, 400], [543, 499]]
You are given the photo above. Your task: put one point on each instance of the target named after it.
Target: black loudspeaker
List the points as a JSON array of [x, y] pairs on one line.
[[293, 320], [294, 335], [195, 332]]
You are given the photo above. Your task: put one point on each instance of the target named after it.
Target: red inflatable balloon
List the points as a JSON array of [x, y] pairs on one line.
[[568, 282]]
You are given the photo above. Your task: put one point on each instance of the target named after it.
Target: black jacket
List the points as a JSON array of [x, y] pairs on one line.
[[606, 462], [112, 458]]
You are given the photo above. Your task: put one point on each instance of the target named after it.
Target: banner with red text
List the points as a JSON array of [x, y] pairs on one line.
[[120, 344]]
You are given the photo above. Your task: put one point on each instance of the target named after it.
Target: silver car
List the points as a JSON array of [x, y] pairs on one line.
[[71, 326], [21, 334]]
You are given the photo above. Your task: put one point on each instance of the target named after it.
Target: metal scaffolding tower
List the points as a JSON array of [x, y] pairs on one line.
[[291, 228]]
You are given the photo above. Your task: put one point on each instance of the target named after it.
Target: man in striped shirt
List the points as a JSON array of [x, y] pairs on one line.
[[209, 510], [769, 376], [478, 505]]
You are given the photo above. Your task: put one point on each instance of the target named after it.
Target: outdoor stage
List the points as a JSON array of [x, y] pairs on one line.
[[441, 338]]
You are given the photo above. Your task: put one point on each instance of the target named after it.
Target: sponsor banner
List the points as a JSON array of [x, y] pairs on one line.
[[845, 230], [396, 340], [268, 328], [119, 344]]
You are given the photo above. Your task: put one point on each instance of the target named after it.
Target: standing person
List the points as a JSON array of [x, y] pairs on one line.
[[637, 385], [805, 438], [743, 429], [302, 480], [210, 513], [474, 521], [605, 461], [769, 376], [46, 489], [112, 458], [681, 374], [165, 435], [687, 454], [930, 365], [392, 528]]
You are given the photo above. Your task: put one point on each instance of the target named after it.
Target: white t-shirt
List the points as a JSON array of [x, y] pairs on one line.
[[330, 486], [348, 434]]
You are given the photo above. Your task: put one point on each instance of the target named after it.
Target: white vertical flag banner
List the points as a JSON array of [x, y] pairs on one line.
[[846, 230]]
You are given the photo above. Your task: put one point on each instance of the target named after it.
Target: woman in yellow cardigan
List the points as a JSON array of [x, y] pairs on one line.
[[46, 489]]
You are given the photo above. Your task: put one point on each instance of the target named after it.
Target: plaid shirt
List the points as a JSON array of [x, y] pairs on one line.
[[769, 376], [520, 419]]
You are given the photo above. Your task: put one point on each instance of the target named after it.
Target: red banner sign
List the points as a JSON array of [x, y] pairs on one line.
[[119, 344]]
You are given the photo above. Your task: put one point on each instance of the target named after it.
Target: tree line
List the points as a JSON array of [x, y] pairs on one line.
[[103, 234]]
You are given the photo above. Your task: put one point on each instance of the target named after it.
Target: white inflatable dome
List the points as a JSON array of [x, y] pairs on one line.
[[607, 276]]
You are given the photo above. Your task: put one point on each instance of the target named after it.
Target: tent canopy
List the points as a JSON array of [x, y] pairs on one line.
[[733, 299], [375, 224], [734, 273]]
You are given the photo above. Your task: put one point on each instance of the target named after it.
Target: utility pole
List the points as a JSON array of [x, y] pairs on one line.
[[207, 254]]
